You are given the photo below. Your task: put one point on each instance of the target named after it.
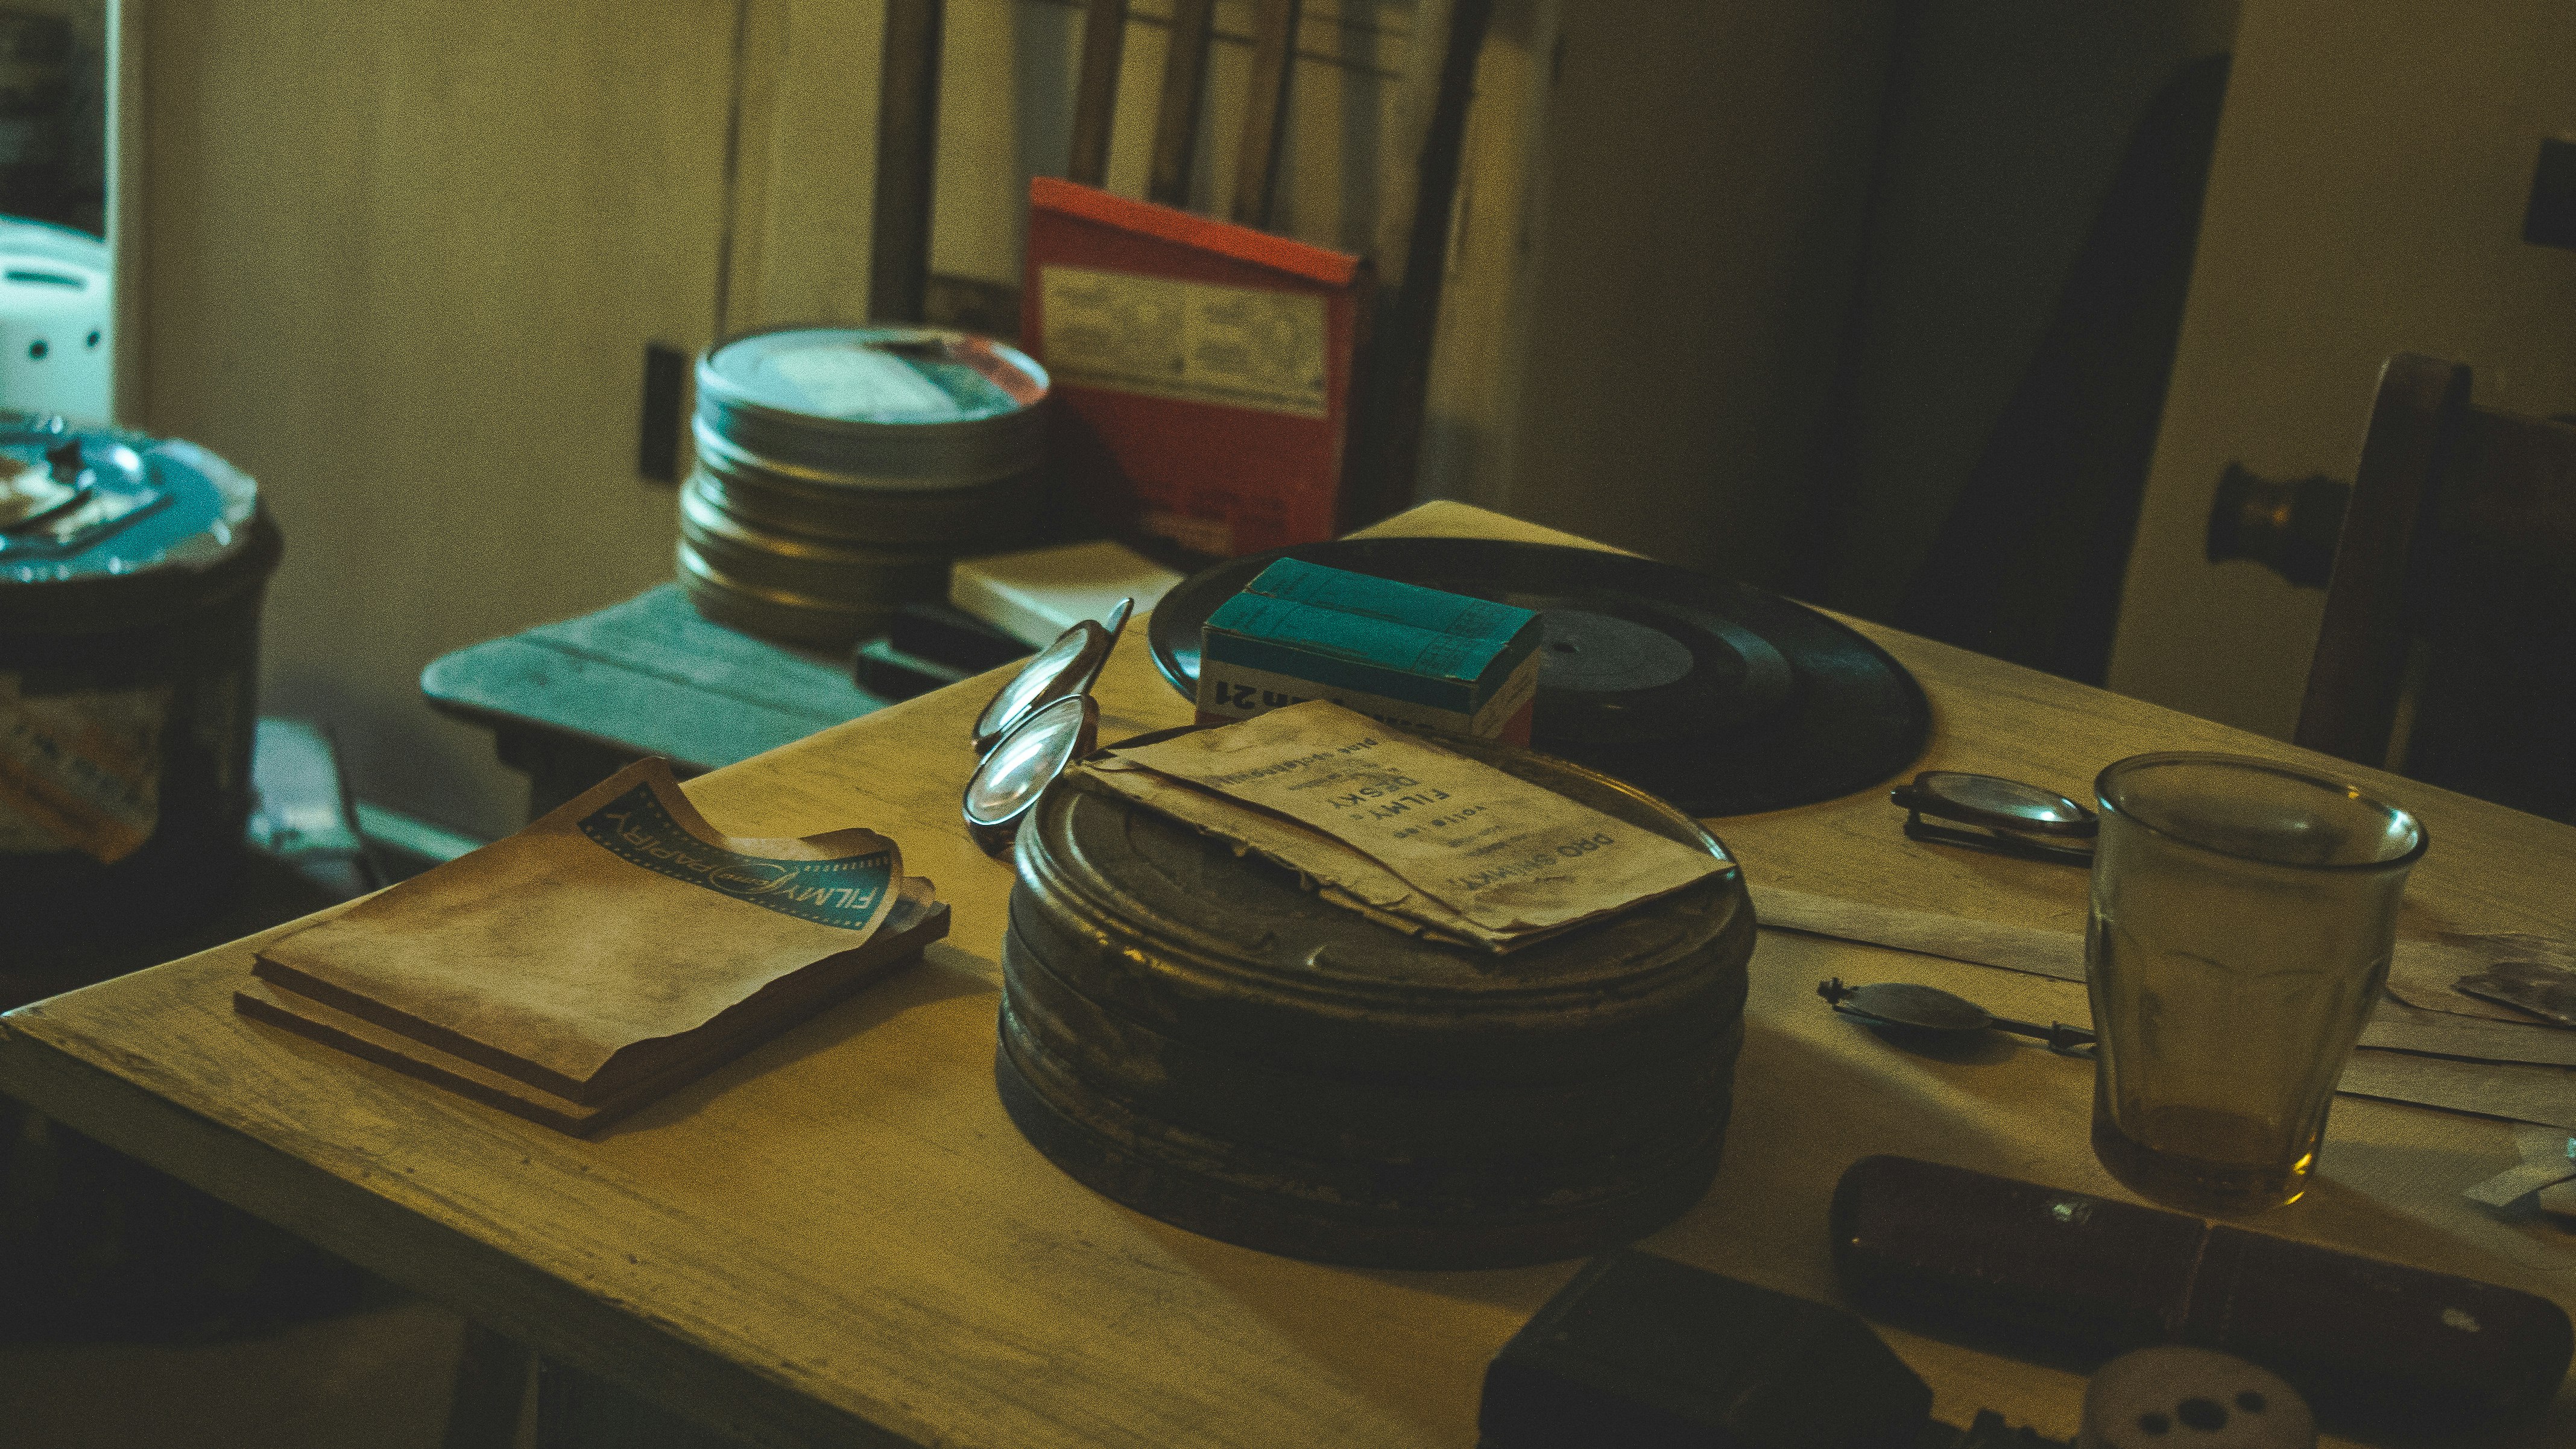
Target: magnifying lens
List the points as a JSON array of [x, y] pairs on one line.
[[1007, 784], [1064, 668]]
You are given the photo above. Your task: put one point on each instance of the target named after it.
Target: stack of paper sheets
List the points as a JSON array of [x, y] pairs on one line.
[[1401, 830], [603, 956]]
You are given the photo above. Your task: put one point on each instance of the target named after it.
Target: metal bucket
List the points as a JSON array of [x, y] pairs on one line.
[[842, 470], [1191, 1033], [131, 575]]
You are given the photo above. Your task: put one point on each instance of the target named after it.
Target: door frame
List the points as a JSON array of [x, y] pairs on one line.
[[127, 171]]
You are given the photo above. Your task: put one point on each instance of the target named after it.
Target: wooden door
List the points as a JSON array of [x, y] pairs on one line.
[[2366, 197]]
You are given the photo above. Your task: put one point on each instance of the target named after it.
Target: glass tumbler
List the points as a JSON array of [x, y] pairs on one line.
[[2243, 913]]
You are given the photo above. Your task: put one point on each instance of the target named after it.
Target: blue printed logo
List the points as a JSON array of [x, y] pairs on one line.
[[636, 826]]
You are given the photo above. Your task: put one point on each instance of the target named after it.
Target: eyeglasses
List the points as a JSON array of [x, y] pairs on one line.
[[1035, 726], [1988, 812]]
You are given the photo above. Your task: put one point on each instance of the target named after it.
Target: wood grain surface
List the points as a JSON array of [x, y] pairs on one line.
[[1265, 112], [649, 674], [1095, 92], [1176, 121], [840, 1239]]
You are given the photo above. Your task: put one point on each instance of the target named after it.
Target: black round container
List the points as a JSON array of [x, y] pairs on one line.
[[1190, 1032], [131, 572]]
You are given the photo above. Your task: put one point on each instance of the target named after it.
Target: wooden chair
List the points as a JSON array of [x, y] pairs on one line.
[[2451, 604]]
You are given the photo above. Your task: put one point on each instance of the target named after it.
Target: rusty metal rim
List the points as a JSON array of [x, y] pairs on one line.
[[703, 513], [969, 519], [777, 613], [1397, 1106], [1378, 1037], [1240, 1209]]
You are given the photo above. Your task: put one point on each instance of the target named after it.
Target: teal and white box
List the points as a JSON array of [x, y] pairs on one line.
[[1438, 610], [1416, 658]]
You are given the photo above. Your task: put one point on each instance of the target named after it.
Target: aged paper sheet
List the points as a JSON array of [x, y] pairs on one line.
[[1499, 852], [1336, 871]]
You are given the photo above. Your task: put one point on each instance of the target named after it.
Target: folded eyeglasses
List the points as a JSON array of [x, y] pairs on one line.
[[1040, 722], [1988, 812]]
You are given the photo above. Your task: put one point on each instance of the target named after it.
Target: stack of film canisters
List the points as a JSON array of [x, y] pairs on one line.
[[841, 470]]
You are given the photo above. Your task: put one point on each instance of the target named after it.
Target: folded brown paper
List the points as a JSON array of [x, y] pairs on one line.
[[606, 943], [1401, 826], [916, 920]]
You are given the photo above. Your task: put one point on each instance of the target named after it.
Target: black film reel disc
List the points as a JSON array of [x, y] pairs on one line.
[[1720, 697]]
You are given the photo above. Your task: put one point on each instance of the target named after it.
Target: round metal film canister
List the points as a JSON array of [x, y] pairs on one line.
[[1194, 1034], [841, 470]]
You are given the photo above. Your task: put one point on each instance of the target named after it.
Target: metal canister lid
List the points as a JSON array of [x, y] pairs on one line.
[[105, 529], [1277, 971], [889, 407]]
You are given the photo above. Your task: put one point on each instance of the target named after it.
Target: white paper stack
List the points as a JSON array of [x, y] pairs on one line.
[[1037, 594]]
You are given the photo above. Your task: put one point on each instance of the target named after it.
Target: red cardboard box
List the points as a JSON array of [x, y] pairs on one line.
[[1202, 370]]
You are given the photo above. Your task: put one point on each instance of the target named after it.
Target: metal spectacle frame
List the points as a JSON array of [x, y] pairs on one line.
[[1989, 812], [1036, 725]]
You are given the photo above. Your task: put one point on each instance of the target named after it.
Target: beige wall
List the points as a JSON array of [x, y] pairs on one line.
[[2367, 198], [399, 263]]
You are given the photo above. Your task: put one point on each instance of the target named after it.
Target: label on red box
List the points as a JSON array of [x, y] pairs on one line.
[[1202, 370]]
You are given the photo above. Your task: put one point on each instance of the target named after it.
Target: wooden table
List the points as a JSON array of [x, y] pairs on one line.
[[841, 1240], [572, 703]]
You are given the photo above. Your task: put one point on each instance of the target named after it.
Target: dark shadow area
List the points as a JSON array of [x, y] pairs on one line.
[[53, 119], [97, 1247], [2029, 566]]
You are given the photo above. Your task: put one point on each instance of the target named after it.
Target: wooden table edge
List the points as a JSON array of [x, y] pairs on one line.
[[444, 1265]]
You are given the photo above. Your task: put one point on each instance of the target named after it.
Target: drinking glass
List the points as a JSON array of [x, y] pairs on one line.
[[2243, 913]]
